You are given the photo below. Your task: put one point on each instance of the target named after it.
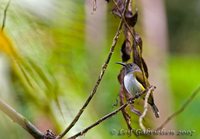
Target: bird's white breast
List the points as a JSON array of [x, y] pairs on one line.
[[132, 85]]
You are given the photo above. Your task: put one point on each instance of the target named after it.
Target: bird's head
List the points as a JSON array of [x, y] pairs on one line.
[[129, 67]]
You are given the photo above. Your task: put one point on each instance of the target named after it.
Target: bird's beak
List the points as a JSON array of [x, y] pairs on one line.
[[120, 63]]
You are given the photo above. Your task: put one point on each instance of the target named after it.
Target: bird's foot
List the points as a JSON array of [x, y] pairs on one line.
[[131, 100], [137, 95]]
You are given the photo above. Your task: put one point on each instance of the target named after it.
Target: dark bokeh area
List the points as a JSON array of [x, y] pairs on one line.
[[183, 24], [51, 53]]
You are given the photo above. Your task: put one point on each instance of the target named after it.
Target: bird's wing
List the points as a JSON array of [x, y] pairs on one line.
[[139, 77]]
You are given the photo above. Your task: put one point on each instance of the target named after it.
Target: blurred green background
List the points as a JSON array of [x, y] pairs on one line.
[[60, 54]]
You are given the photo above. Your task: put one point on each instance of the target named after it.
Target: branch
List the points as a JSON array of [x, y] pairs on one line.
[[103, 69], [20, 120], [99, 121], [180, 110], [107, 116], [4, 16], [145, 107]]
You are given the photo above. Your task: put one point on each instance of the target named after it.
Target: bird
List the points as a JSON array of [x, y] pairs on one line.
[[134, 83]]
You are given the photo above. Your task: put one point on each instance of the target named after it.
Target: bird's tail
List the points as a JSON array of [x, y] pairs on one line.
[[155, 110]]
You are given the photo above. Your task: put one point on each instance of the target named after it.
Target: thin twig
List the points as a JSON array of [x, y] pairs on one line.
[[20, 120], [181, 109], [4, 16], [103, 69], [145, 107], [99, 121], [107, 116]]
